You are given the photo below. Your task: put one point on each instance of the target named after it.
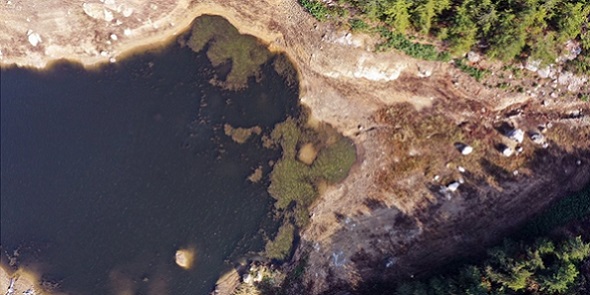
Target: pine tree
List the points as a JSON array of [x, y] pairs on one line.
[[397, 14], [463, 32]]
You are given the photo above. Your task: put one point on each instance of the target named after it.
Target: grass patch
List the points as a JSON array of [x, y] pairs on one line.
[[280, 247], [394, 40], [474, 72], [225, 43], [358, 25], [316, 8]]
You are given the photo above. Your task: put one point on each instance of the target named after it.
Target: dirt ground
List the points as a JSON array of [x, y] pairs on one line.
[[396, 214]]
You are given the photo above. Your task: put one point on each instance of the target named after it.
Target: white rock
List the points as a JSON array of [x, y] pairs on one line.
[[544, 72], [532, 65], [127, 32], [537, 138], [114, 37], [461, 169], [473, 56], [34, 39], [127, 12], [516, 135], [248, 279], [108, 15], [93, 10], [467, 150], [453, 186], [507, 152]]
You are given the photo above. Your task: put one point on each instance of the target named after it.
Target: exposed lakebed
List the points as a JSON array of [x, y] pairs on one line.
[[107, 173]]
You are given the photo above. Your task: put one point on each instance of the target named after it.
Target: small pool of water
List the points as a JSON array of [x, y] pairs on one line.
[[106, 173]]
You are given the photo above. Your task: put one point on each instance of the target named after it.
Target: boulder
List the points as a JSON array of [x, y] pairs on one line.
[[507, 151], [464, 148], [453, 186], [473, 57], [516, 135]]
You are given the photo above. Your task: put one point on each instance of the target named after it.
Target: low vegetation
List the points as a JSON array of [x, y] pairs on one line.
[[280, 247], [474, 72], [294, 184], [503, 30], [540, 267], [562, 212], [224, 43], [293, 180], [401, 42]]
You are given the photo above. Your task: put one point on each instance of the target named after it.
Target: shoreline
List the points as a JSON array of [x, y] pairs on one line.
[[140, 39], [22, 281]]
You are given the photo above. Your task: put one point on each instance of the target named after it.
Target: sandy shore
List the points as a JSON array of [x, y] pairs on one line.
[[20, 282], [31, 37]]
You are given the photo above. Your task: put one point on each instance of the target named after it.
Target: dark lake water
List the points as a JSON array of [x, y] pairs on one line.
[[106, 173]]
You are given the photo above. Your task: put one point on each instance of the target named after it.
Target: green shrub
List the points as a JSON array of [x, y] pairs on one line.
[[358, 25], [574, 207], [400, 42], [512, 268], [315, 8], [474, 72]]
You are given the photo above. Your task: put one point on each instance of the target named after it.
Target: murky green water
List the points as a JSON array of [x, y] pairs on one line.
[[105, 174]]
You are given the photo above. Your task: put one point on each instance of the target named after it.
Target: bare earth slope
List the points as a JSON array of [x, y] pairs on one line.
[[398, 213]]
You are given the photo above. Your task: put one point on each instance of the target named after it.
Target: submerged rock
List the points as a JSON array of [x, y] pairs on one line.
[[185, 258]]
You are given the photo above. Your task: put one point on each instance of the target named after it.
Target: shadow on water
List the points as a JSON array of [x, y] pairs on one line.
[[105, 174]]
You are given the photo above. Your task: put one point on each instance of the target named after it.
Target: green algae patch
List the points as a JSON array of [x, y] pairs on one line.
[[240, 135], [287, 135], [289, 181], [280, 247], [293, 180], [224, 43]]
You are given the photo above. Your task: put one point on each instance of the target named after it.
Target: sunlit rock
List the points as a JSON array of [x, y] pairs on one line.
[[307, 153], [34, 38], [185, 258]]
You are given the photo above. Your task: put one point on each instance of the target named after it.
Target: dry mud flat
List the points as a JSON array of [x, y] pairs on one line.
[[399, 212]]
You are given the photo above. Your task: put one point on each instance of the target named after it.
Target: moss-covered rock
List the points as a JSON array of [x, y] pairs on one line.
[[334, 161]]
